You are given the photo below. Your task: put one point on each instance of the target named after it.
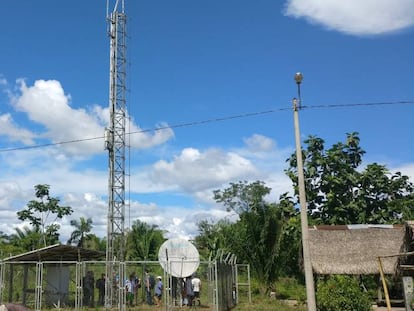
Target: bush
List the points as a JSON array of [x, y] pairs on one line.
[[289, 288], [343, 293]]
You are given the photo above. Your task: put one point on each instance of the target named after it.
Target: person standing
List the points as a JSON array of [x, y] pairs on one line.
[[100, 285], [189, 291], [148, 286], [88, 289], [137, 286], [196, 282], [130, 290], [158, 291]]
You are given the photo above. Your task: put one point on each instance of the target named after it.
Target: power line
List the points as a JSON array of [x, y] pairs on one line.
[[358, 105], [207, 121]]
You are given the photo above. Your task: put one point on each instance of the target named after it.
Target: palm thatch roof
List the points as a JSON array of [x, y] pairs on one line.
[[355, 249]]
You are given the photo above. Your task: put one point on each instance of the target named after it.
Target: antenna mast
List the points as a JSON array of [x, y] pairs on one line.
[[115, 144]]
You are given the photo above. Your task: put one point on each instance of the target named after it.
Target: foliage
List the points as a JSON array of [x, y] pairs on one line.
[[7, 247], [290, 240], [26, 239], [95, 243], [339, 192], [81, 232], [213, 237], [143, 241], [38, 211], [257, 237], [340, 292], [267, 305], [290, 288]]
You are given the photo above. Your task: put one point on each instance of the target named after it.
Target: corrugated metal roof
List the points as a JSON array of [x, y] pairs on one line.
[[57, 252]]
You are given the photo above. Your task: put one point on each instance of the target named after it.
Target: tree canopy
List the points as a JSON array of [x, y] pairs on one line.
[[258, 235], [81, 232], [143, 241], [40, 213], [340, 191]]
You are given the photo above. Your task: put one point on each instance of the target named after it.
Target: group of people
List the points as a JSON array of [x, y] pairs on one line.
[[190, 290], [153, 289], [88, 285], [132, 284]]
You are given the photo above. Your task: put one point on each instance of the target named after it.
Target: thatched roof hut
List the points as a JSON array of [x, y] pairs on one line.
[[354, 249]]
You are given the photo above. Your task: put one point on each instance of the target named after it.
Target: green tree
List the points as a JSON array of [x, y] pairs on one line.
[[143, 241], [338, 191], [40, 211], [213, 237], [7, 248], [257, 237], [81, 232], [95, 243], [27, 239]]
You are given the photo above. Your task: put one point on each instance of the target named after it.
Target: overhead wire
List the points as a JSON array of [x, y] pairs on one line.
[[206, 121]]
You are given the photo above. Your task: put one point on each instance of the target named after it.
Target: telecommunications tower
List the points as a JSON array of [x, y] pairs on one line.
[[115, 144]]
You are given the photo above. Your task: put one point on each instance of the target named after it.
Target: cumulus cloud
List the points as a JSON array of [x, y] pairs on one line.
[[355, 17], [46, 104], [192, 170], [13, 132], [191, 175], [142, 140]]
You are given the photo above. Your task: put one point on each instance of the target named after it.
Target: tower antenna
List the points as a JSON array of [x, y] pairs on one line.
[[115, 144]]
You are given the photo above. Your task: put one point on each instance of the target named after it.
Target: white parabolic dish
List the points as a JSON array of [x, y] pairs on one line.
[[179, 257]]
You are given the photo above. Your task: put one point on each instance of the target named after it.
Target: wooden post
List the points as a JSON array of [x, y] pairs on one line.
[[384, 284]]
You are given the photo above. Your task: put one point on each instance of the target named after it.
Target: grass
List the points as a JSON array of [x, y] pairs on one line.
[[256, 305], [269, 305]]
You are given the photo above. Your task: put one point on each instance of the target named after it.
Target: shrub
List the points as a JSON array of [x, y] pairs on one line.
[[343, 293], [289, 288]]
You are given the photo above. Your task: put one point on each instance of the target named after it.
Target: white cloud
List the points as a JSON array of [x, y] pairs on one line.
[[355, 17], [11, 130], [144, 140], [46, 104], [193, 170], [259, 143], [191, 174], [407, 169]]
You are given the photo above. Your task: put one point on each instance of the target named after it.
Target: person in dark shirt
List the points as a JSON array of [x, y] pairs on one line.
[[88, 286], [100, 285]]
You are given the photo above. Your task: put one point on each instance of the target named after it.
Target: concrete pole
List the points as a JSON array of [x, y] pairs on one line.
[[310, 287]]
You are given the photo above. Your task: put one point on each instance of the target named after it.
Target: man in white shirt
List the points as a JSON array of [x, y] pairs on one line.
[[196, 282], [130, 289]]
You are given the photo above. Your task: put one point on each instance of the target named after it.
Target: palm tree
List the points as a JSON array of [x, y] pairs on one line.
[[27, 238], [80, 234], [143, 241]]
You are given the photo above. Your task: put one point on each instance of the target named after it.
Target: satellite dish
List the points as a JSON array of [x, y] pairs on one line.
[[179, 257]]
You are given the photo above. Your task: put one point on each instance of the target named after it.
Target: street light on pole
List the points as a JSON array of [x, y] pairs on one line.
[[310, 287]]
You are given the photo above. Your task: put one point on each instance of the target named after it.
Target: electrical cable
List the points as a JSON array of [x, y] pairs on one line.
[[213, 120]]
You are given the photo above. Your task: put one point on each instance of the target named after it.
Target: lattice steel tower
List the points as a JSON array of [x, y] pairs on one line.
[[115, 144]]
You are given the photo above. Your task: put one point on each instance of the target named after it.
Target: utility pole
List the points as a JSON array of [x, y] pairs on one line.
[[115, 144], [310, 287]]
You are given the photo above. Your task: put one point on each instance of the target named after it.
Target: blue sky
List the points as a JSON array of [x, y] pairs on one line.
[[191, 61]]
